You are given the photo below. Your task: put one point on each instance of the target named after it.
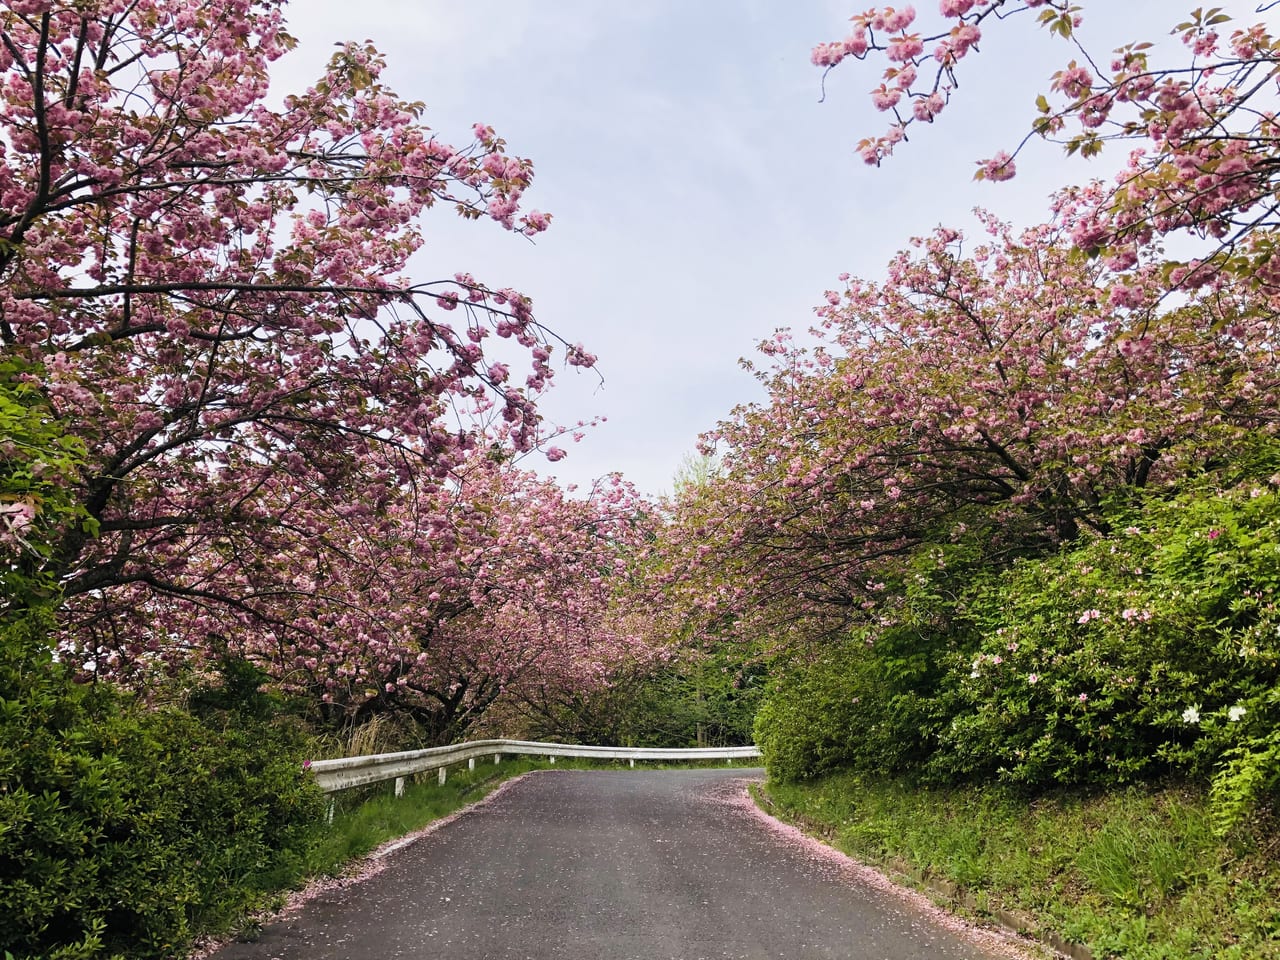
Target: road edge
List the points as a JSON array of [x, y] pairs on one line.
[[1012, 930], [354, 871]]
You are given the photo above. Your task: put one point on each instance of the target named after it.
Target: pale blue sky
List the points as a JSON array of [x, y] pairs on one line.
[[702, 195]]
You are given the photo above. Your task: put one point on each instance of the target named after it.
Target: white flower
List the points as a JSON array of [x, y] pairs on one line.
[[1191, 714], [1236, 713]]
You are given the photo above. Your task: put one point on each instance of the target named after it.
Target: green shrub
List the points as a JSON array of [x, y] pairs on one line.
[[39, 465], [1150, 651], [1249, 774], [124, 831], [805, 724], [1147, 652], [703, 698], [874, 702], [866, 704]]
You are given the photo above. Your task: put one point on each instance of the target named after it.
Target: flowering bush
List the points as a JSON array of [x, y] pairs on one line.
[[1152, 650], [1148, 650]]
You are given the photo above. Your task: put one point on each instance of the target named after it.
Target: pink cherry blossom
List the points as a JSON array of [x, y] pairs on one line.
[[1201, 136], [999, 167], [885, 98], [905, 48], [894, 20]]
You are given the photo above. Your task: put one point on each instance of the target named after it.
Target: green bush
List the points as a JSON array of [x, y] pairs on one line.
[[1147, 652], [805, 724], [874, 701], [39, 465], [704, 698], [866, 704], [125, 831]]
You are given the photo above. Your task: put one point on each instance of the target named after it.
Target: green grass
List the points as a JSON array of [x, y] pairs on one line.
[[1137, 875], [367, 817]]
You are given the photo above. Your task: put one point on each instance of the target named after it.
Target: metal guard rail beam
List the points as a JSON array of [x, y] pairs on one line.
[[347, 772]]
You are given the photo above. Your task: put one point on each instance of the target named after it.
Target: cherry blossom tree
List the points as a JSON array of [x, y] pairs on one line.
[[1202, 132], [428, 606], [1009, 392], [212, 294], [286, 449], [506, 591]]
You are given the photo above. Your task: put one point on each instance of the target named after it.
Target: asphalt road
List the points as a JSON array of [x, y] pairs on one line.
[[627, 865]]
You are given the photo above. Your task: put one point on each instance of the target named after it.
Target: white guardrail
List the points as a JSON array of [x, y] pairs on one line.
[[347, 772]]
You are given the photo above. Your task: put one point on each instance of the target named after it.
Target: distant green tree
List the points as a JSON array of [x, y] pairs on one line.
[[696, 470]]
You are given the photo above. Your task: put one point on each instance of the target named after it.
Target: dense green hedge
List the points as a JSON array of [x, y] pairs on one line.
[[124, 831], [854, 706], [1147, 652], [1150, 651]]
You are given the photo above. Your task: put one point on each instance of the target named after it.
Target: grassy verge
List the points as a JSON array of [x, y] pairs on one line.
[[366, 818], [1137, 875]]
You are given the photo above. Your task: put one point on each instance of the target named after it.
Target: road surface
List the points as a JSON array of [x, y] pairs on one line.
[[626, 865]]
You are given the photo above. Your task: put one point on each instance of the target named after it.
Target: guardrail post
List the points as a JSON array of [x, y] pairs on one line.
[[399, 786], [497, 758], [442, 775], [552, 760], [328, 817], [633, 763], [471, 764]]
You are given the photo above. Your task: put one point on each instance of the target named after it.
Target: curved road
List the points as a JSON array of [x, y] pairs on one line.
[[627, 865]]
